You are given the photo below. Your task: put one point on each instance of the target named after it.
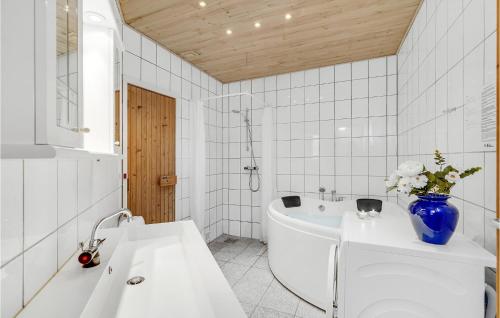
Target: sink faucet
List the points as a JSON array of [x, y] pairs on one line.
[[335, 198], [89, 257]]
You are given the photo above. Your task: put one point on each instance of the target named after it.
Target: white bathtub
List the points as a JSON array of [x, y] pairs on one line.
[[299, 242]]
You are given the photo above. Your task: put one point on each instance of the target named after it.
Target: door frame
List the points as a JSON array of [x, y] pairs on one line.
[[126, 80], [497, 152]]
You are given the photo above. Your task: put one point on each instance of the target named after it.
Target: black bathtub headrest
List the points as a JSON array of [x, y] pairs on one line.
[[369, 204], [291, 201]]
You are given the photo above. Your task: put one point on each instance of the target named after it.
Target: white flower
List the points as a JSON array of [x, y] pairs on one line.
[[419, 181], [392, 181], [410, 168], [452, 177], [404, 185]]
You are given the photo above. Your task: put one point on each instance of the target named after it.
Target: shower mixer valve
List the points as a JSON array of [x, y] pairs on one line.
[[248, 168]]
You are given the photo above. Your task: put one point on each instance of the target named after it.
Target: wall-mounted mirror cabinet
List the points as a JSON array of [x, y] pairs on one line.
[[67, 63], [118, 97], [75, 108], [58, 73], [47, 99]]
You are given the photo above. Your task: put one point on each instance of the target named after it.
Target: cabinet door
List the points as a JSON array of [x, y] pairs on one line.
[[58, 65], [407, 286]]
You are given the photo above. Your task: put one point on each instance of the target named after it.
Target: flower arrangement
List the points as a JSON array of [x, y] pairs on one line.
[[412, 177]]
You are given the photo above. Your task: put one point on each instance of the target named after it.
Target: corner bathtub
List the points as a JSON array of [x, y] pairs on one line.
[[299, 242]]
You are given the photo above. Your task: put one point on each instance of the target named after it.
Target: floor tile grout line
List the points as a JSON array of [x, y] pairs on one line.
[[259, 254], [249, 267], [264, 293]]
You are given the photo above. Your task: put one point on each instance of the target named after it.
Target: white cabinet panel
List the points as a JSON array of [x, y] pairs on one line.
[[40, 199], [18, 68], [375, 282], [12, 208], [57, 125]]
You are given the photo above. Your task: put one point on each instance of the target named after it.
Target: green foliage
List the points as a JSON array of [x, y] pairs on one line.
[[438, 158], [469, 172]]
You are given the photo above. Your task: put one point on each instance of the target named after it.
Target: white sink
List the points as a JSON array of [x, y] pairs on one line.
[[182, 279]]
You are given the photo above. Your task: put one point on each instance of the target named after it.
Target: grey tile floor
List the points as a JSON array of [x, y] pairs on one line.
[[244, 263]]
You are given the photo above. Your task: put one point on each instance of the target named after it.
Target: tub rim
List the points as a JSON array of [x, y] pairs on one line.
[[304, 226]]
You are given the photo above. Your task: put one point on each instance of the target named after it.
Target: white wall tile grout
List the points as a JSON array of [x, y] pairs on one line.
[[291, 97], [443, 64], [191, 84], [438, 55], [44, 244]]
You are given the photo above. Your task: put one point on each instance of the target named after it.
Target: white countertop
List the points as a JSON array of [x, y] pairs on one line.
[[182, 279], [67, 293], [393, 232]]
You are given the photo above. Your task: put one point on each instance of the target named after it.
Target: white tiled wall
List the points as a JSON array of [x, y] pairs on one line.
[[447, 57], [147, 61], [335, 127], [48, 206]]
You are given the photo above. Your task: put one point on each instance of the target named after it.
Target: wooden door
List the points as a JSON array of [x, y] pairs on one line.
[[151, 155]]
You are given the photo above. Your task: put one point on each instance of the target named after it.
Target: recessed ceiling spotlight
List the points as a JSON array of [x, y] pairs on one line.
[[229, 32], [257, 24], [202, 4], [288, 16], [94, 17]]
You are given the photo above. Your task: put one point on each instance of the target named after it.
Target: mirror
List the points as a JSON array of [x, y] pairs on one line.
[[117, 75], [67, 63]]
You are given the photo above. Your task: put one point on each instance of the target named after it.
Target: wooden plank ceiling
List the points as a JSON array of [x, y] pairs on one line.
[[320, 32]]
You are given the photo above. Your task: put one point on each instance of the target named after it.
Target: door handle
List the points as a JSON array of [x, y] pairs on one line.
[[166, 181]]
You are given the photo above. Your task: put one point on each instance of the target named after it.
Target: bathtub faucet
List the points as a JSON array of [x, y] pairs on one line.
[[335, 198], [322, 192]]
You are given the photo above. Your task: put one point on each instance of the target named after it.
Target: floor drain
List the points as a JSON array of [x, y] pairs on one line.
[[135, 280], [230, 240]]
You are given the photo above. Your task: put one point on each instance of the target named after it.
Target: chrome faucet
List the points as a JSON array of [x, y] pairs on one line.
[[89, 257], [322, 192], [335, 198]]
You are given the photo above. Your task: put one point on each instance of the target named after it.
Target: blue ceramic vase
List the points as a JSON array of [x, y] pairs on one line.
[[433, 218]]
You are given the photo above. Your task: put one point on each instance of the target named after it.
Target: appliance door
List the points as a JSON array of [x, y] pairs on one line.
[[332, 288]]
